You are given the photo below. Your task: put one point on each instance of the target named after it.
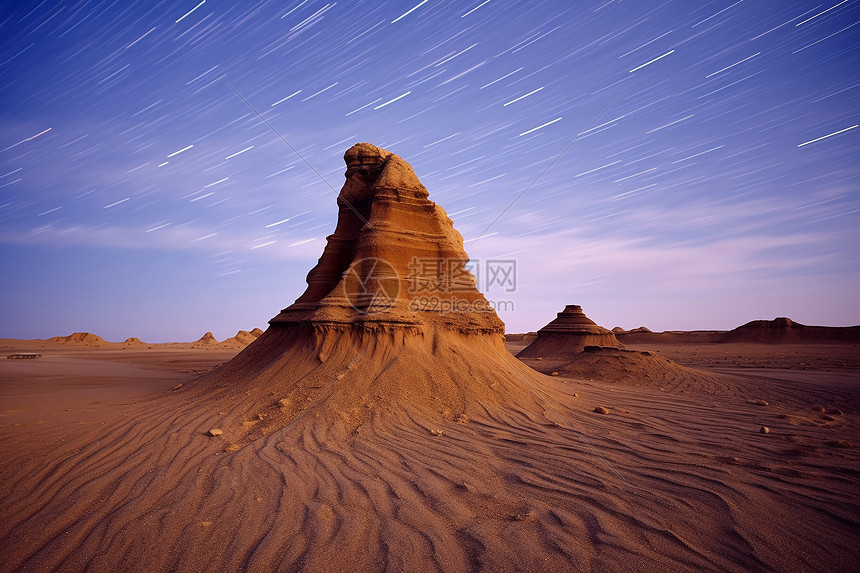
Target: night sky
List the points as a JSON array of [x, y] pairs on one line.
[[677, 164]]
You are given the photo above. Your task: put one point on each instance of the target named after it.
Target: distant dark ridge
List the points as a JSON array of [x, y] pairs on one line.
[[780, 330], [784, 330]]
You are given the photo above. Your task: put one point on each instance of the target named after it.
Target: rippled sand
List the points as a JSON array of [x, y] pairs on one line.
[[105, 468]]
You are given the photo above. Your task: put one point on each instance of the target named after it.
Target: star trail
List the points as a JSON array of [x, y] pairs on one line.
[[168, 168]]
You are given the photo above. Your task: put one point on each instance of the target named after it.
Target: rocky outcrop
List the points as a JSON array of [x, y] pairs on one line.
[[242, 339], [640, 330], [80, 339], [390, 313], [569, 333], [394, 260], [207, 340]]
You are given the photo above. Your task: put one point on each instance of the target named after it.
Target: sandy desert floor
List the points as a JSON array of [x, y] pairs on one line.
[[105, 467]]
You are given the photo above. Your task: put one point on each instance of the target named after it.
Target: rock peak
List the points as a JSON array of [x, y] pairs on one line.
[[394, 257], [371, 169]]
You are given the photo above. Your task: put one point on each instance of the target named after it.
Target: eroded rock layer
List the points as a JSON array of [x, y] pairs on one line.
[[393, 259]]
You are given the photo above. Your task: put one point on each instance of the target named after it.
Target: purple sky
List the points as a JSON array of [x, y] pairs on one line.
[[141, 196]]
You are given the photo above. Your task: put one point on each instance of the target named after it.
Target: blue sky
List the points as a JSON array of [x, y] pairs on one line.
[[679, 165]]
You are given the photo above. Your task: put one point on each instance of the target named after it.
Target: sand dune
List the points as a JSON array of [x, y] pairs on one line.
[[668, 480]]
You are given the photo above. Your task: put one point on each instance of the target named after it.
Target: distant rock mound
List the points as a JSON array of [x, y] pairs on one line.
[[246, 337], [207, 341], [783, 330], [133, 341], [242, 339], [569, 333], [80, 339], [643, 335], [527, 337], [641, 330]]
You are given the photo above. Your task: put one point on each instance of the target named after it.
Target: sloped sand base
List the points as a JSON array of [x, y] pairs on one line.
[[671, 479]]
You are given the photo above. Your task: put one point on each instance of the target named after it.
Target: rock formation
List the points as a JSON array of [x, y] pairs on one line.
[[207, 339], [569, 333], [391, 249], [242, 339], [390, 311], [80, 338], [642, 329]]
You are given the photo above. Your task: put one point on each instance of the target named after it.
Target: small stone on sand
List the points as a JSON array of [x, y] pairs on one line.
[[757, 402], [601, 410], [764, 430], [177, 387], [215, 432], [554, 374]]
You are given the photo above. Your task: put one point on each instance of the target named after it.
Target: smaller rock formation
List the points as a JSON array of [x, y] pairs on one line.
[[80, 338], [640, 330], [207, 339], [569, 333], [242, 339]]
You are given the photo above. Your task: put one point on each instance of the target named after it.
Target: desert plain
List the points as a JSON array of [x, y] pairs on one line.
[[677, 476]]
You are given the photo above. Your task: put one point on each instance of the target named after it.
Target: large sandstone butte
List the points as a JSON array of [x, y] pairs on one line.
[[390, 313], [569, 333]]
